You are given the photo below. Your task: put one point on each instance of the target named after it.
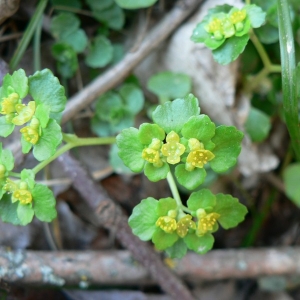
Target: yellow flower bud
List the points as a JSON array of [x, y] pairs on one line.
[[167, 224], [8, 104], [173, 149], [206, 223]]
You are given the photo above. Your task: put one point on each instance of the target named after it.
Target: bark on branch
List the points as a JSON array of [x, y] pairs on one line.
[[63, 268]]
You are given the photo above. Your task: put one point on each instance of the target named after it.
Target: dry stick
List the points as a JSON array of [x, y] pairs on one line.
[[104, 212], [108, 268], [120, 71]]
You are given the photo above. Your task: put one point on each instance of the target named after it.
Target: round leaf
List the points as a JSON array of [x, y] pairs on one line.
[[133, 98], [143, 218], [8, 210], [135, 4], [200, 244], [164, 205], [130, 149], [199, 127], [5, 128], [155, 174], [178, 250], [258, 125], [231, 211], [170, 85], [227, 142], [100, 53], [18, 81], [43, 203], [189, 179], [291, 176], [231, 49], [25, 213], [256, 15], [163, 240], [201, 199], [147, 132], [173, 115]]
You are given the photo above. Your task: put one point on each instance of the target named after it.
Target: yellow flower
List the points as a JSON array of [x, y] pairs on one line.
[[206, 222], [238, 16], [152, 154], [184, 224], [172, 149], [24, 113], [24, 196], [167, 224], [31, 133], [198, 156], [8, 104]]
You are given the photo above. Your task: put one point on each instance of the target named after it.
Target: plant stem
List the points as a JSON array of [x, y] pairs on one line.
[[184, 208], [174, 189], [287, 53], [13, 174], [73, 141], [28, 34]]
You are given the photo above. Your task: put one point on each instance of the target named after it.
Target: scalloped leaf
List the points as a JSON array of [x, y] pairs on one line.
[[173, 115], [231, 49], [227, 148], [155, 174], [163, 240], [178, 250], [45, 88], [5, 128], [25, 213], [143, 218], [201, 244], [189, 179], [204, 199], [164, 205], [231, 211], [18, 81], [133, 98], [8, 210], [256, 15], [147, 132], [130, 149]]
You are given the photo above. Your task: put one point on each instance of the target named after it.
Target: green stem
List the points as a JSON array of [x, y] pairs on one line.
[[261, 50], [73, 141], [174, 189], [28, 34], [287, 53], [13, 174], [184, 208]]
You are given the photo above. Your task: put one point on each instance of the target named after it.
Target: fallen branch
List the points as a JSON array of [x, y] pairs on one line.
[[91, 268]]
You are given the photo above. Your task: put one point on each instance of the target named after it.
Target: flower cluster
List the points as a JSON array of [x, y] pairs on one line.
[[190, 145], [168, 226], [40, 130]]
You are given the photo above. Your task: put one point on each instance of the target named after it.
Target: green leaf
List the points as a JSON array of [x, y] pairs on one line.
[[70, 3], [143, 218], [155, 174], [228, 146], [173, 115], [147, 132], [189, 179], [112, 16], [64, 24], [116, 162], [198, 244], [133, 98], [18, 81], [5, 128], [256, 15], [164, 205], [109, 107], [204, 199], [26, 146], [8, 210], [99, 5], [199, 127], [50, 139], [45, 88], [131, 149], [28, 176], [170, 85], [258, 125], [66, 57], [77, 40], [135, 4], [42, 113], [291, 176], [43, 203], [100, 53], [231, 211], [178, 250], [267, 34], [231, 49], [25, 213], [6, 158], [163, 240]]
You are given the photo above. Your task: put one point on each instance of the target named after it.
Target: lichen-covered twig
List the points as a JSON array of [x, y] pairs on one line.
[[109, 268], [104, 212]]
